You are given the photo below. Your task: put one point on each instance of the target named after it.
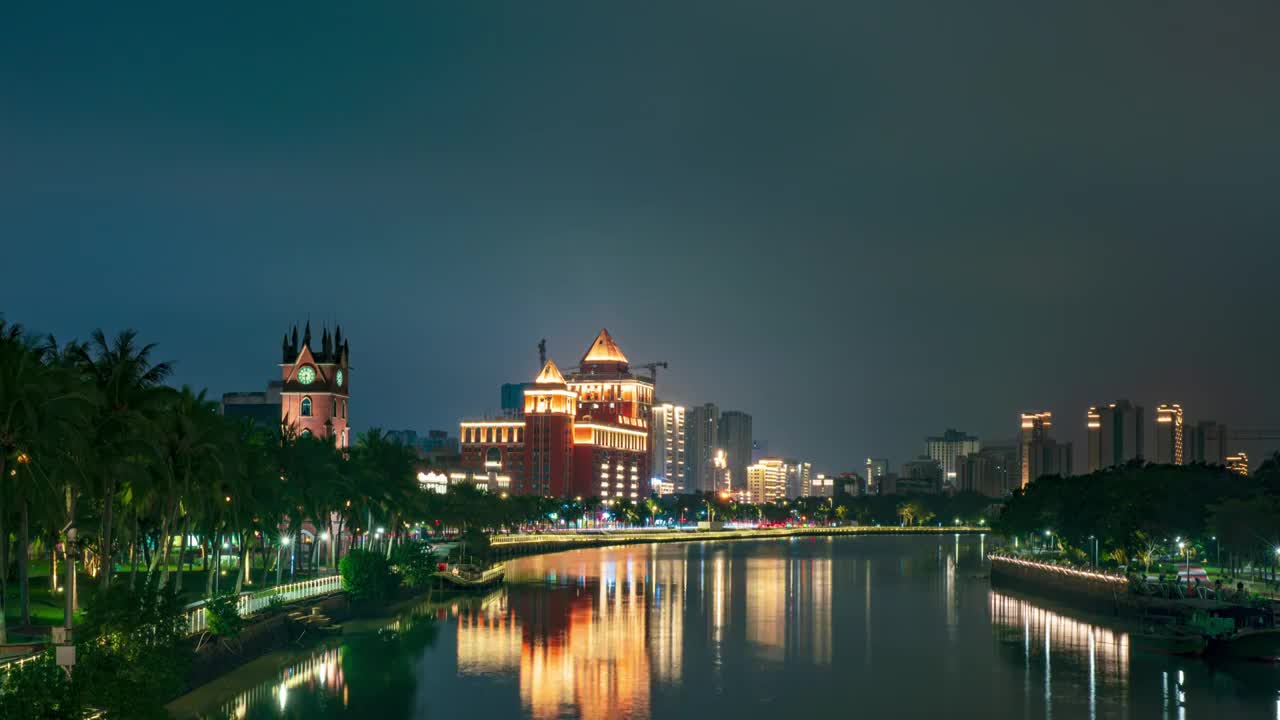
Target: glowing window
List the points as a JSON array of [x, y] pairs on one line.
[[306, 407]]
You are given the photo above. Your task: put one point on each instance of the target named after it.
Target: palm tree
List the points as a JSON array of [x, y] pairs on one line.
[[907, 511], [38, 403], [187, 452], [124, 375], [386, 470], [40, 428]]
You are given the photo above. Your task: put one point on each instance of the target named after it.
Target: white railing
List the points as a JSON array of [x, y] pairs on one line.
[[7, 665], [256, 601]]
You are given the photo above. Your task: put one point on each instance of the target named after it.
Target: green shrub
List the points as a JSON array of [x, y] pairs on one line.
[[366, 577], [413, 563], [41, 690], [132, 653], [223, 615]]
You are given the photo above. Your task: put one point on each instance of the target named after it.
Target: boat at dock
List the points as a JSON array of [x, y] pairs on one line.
[[472, 577]]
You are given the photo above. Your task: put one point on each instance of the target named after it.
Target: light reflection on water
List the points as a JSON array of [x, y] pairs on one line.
[[892, 626]]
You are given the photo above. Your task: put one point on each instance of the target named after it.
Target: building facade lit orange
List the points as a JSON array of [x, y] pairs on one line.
[[587, 434]]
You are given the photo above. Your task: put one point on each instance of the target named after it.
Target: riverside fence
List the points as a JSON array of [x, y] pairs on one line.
[[253, 602]]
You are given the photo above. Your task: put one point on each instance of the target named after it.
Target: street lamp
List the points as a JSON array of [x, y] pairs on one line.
[[1186, 551]]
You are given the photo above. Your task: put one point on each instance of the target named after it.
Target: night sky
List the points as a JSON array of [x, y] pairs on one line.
[[860, 222]]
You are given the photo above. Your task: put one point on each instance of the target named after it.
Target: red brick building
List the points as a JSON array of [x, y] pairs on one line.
[[315, 393], [585, 435]]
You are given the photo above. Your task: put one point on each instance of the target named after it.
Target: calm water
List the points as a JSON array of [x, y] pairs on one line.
[[881, 627]]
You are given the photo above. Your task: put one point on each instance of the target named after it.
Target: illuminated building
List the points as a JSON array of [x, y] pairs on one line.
[[946, 448], [1205, 442], [767, 480], [668, 457], [1169, 446], [992, 471], [1115, 434], [735, 437], [702, 439], [721, 479], [877, 468], [314, 391], [1038, 453], [1238, 463], [799, 477], [549, 411], [822, 486], [611, 431], [584, 435], [494, 445]]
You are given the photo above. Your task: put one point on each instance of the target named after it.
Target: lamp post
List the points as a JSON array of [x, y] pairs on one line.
[[1094, 538], [1186, 551]]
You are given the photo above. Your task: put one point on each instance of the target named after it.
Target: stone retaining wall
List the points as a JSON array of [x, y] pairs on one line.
[[1099, 591]]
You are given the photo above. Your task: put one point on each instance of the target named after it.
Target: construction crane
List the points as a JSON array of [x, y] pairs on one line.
[[653, 370], [651, 367]]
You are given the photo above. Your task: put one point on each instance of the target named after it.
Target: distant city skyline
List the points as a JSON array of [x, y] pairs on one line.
[[952, 443]]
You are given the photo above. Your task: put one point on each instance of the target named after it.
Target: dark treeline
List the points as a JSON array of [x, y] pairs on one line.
[[1137, 513]]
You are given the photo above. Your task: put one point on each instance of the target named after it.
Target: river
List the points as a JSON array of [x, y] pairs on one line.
[[806, 627]]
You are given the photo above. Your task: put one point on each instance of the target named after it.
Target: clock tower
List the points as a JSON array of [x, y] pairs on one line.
[[314, 398]]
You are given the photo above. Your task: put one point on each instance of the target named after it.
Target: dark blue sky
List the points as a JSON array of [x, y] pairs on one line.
[[860, 222]]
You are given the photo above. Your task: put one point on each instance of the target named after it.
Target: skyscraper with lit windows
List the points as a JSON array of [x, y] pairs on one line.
[[1115, 433], [668, 457], [1169, 445]]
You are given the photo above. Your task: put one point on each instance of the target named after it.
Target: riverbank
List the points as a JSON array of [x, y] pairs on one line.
[[508, 546]]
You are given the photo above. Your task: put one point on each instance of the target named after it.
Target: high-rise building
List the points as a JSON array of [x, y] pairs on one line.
[[314, 386], [759, 449], [877, 468], [721, 480], [702, 439], [922, 475], [1169, 445], [799, 477], [1238, 463], [668, 461], [735, 438], [823, 486], [992, 471], [949, 446], [767, 480], [1038, 453], [603, 409], [1205, 442], [1115, 434]]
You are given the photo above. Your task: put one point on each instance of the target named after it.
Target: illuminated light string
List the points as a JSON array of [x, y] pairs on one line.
[[1060, 569]]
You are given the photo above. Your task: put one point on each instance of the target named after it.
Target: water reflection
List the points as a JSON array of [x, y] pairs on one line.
[[1044, 639], [750, 630]]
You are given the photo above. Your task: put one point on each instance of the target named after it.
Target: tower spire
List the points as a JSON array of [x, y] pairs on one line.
[[306, 335]]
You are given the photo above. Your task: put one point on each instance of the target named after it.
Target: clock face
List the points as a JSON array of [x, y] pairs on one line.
[[307, 375], [339, 378]]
